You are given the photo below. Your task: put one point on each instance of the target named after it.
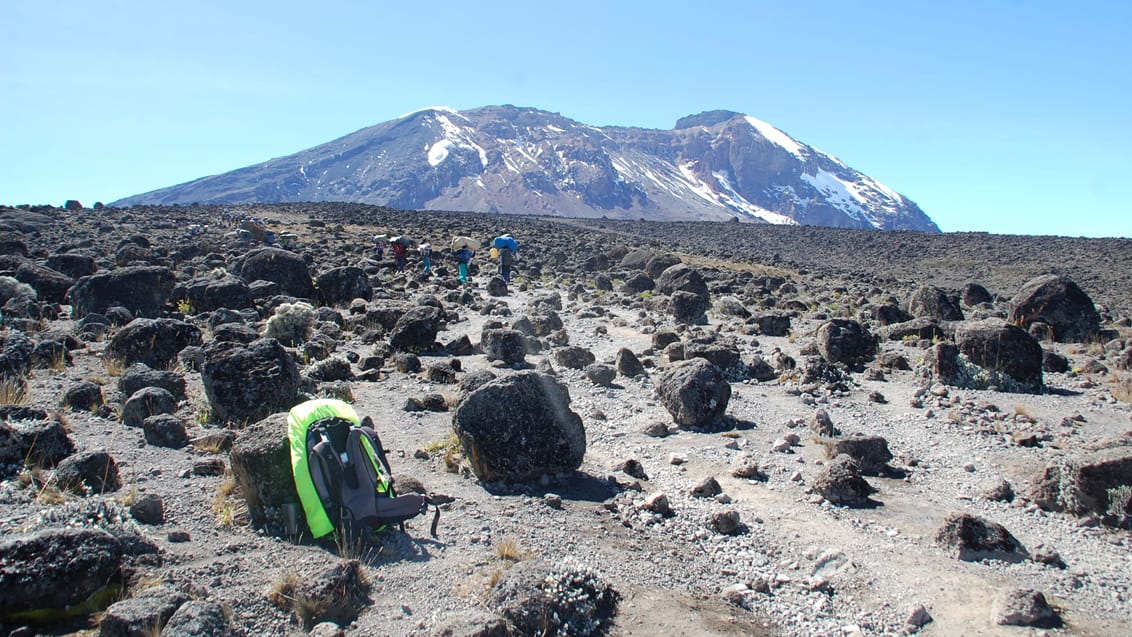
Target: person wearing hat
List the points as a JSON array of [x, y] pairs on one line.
[[425, 250], [464, 257]]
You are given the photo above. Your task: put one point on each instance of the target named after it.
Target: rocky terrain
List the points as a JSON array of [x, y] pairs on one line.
[[788, 431], [717, 165]]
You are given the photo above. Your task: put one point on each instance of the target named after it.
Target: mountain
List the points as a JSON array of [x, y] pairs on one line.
[[717, 165]]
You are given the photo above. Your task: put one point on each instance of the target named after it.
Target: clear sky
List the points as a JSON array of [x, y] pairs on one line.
[[992, 115]]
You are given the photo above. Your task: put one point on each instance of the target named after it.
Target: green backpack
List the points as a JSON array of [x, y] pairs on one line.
[[342, 474]]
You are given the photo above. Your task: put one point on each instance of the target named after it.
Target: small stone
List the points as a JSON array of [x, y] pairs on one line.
[[1025, 607], [725, 522], [919, 617]]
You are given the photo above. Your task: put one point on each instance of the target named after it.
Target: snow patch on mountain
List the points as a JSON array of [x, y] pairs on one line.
[[776, 137], [454, 136], [732, 199], [839, 193]]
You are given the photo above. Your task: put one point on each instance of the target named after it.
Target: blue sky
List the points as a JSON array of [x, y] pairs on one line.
[[998, 116]]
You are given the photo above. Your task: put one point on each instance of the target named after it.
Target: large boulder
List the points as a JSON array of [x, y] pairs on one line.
[[143, 290], [339, 286], [695, 392], [16, 351], [845, 341], [261, 466], [508, 346], [1099, 485], [146, 402], [682, 278], [72, 264], [416, 330], [30, 436], [206, 294], [1059, 303], [247, 382], [154, 342], [282, 267], [869, 452], [1001, 347], [51, 286], [141, 375], [932, 302], [688, 307], [51, 573], [198, 617], [93, 470], [520, 428]]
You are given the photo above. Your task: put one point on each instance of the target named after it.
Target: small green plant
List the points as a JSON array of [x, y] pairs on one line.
[[184, 306], [646, 295]]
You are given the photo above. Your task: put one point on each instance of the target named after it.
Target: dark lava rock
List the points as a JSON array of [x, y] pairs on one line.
[[695, 392], [1058, 302], [519, 428]]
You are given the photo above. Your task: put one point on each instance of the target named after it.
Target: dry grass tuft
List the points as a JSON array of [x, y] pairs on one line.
[[13, 391], [114, 366], [1122, 388], [229, 508], [510, 550]]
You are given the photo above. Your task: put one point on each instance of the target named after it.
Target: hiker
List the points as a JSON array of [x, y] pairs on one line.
[[379, 246], [425, 250], [506, 259], [464, 257], [400, 253], [507, 248]]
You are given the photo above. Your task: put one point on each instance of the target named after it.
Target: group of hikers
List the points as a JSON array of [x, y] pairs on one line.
[[504, 250]]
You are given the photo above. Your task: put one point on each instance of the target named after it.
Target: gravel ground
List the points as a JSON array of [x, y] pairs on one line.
[[803, 566]]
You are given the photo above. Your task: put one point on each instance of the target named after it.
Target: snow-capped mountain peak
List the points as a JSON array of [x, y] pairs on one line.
[[717, 165]]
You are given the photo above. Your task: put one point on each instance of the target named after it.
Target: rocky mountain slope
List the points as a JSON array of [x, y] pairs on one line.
[[844, 481], [716, 165]]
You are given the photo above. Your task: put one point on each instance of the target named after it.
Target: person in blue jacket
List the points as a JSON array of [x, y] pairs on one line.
[[464, 257]]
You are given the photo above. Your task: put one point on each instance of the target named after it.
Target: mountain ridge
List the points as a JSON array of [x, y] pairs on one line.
[[712, 166]]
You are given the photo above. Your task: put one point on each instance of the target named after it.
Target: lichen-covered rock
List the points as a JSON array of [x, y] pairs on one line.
[[282, 267], [519, 428], [154, 342], [1061, 304], [870, 452], [198, 618], [261, 466], [695, 392], [93, 470], [149, 611], [245, 383], [71, 571], [146, 402], [143, 290], [971, 538], [932, 302], [1001, 347], [1099, 485], [845, 341], [840, 482], [416, 330], [339, 286]]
